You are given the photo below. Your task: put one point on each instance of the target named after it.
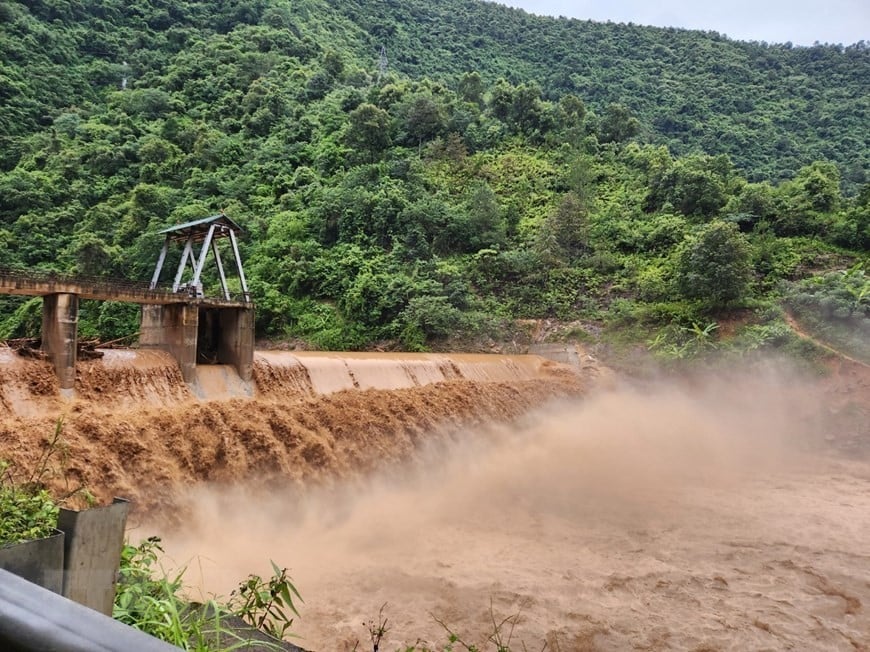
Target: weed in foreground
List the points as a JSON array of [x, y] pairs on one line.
[[150, 600], [27, 509], [498, 640], [266, 604]]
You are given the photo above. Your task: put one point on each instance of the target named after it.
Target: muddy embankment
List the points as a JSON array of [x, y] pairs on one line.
[[137, 430]]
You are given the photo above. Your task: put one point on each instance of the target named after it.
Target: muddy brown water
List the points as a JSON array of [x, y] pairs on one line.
[[716, 515], [136, 429]]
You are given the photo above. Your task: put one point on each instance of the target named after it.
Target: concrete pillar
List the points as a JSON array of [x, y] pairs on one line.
[[93, 539], [60, 317], [172, 328], [236, 343]]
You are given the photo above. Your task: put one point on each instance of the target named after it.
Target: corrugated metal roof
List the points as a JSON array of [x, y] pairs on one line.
[[192, 226]]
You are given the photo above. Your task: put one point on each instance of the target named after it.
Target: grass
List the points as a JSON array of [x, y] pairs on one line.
[[151, 600]]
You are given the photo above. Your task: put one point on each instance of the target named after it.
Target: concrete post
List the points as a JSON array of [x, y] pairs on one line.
[[172, 328], [93, 540], [236, 345], [60, 317]]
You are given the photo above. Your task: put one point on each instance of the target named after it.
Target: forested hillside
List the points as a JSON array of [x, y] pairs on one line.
[[493, 166], [771, 108]]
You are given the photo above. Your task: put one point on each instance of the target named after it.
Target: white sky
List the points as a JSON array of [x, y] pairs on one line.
[[776, 21]]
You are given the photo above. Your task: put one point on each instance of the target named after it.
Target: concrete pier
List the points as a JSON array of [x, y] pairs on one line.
[[172, 328], [236, 340], [60, 318], [194, 334]]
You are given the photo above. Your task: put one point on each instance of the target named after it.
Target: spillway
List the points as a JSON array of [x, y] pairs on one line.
[[728, 512], [136, 429]]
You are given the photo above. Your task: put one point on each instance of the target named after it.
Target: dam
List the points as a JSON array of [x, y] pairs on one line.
[[464, 489]]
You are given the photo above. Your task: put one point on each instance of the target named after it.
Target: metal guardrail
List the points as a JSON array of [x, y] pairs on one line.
[[106, 285], [53, 277], [35, 619]]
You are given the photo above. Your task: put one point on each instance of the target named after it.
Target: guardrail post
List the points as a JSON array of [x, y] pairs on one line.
[[92, 553]]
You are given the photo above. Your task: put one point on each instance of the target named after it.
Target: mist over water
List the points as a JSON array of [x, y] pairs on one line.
[[686, 517], [722, 513]]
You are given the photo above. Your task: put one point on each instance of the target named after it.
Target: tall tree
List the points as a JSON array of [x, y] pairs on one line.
[[565, 232], [715, 265], [369, 130]]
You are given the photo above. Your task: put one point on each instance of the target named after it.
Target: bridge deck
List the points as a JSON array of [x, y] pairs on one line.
[[35, 284]]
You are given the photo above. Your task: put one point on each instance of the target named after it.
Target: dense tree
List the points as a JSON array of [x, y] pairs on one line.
[[565, 232], [617, 125], [369, 130], [695, 186], [714, 266], [407, 203], [423, 119], [804, 202], [471, 88]]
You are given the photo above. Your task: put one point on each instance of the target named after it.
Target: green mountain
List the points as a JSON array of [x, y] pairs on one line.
[[771, 108], [488, 166]]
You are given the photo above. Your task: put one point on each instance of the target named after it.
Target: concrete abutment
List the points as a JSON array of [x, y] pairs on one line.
[[172, 328]]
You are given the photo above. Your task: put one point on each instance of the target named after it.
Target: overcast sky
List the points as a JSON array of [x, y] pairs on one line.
[[776, 21]]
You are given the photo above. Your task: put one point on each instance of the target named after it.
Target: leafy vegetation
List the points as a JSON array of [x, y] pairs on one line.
[[267, 604], [149, 600], [499, 166], [28, 510], [836, 307], [153, 601]]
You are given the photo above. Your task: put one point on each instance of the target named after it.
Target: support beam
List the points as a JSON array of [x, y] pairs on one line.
[[60, 317], [188, 251], [245, 291], [203, 254], [156, 277], [220, 266]]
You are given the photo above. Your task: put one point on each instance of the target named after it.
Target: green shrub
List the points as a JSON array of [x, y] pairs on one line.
[[152, 601], [715, 266], [266, 604], [27, 511], [26, 321]]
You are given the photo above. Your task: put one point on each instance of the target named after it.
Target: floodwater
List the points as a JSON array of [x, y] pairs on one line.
[[138, 431], [676, 518], [474, 494]]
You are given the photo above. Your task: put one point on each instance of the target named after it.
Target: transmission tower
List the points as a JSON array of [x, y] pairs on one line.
[[382, 64]]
